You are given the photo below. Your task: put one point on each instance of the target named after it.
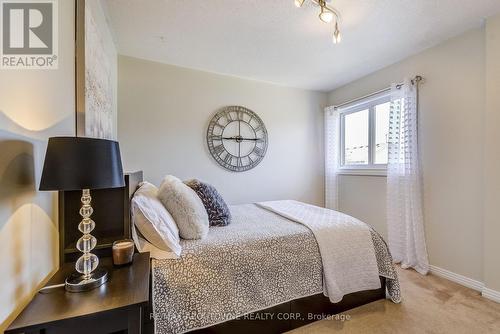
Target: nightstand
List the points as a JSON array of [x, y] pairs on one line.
[[117, 306]]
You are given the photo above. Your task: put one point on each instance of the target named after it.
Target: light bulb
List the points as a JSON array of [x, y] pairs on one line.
[[337, 37], [299, 3], [326, 15]]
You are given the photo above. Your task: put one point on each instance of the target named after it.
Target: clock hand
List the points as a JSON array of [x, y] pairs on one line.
[[252, 139], [241, 139]]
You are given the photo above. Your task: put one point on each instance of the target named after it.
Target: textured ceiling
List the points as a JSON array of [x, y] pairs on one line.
[[274, 41]]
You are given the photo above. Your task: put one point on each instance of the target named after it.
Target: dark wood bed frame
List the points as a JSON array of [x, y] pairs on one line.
[[277, 319], [294, 314]]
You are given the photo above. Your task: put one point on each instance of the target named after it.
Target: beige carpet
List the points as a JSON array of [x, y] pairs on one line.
[[430, 305]]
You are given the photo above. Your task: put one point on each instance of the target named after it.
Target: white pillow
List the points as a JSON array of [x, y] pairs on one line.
[[145, 246], [185, 206], [153, 221]]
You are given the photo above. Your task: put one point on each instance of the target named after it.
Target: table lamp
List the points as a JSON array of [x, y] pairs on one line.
[[77, 163]]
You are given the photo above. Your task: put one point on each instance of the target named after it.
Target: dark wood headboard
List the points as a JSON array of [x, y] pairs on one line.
[[111, 215]]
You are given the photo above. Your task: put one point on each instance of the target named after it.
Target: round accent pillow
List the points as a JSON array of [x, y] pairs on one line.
[[185, 206], [217, 209]]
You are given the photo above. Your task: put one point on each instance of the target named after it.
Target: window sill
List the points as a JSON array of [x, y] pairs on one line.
[[363, 172]]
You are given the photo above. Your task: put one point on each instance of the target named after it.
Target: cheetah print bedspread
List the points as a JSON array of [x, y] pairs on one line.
[[258, 261]]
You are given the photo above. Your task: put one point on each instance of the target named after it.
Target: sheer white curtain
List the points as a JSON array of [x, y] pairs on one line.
[[404, 188], [332, 155]]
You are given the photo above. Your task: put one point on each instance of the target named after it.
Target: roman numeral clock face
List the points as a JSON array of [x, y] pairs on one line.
[[237, 138]]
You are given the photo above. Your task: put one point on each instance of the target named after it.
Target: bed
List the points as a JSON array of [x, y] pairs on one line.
[[262, 273]]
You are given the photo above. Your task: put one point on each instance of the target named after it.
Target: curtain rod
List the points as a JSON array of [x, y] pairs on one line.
[[413, 81]]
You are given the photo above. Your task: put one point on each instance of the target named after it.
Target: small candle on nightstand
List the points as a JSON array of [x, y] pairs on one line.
[[123, 252]]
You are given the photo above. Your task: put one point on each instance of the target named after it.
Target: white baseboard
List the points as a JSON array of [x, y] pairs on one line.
[[491, 294], [462, 280], [468, 282]]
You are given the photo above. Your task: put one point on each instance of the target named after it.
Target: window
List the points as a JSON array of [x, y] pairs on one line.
[[356, 138], [364, 134]]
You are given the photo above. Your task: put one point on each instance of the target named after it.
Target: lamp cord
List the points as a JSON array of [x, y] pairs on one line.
[[45, 289]]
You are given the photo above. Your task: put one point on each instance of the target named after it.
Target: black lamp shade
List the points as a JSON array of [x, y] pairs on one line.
[[76, 163]]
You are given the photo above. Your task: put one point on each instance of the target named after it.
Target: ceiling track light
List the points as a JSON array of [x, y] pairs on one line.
[[337, 36], [327, 14], [299, 3]]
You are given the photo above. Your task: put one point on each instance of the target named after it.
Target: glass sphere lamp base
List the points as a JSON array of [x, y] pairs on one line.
[[77, 282]]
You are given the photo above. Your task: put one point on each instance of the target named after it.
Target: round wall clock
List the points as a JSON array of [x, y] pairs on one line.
[[237, 138]]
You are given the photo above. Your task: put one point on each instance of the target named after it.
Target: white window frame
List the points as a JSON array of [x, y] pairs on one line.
[[371, 168]]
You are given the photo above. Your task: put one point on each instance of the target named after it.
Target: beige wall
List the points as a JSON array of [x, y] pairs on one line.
[[163, 116], [34, 105], [492, 157], [364, 198], [451, 113]]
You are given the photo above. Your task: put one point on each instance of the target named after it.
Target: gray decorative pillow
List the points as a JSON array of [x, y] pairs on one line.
[[217, 209], [185, 207]]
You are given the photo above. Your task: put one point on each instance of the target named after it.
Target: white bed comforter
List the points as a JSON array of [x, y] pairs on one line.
[[345, 245]]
